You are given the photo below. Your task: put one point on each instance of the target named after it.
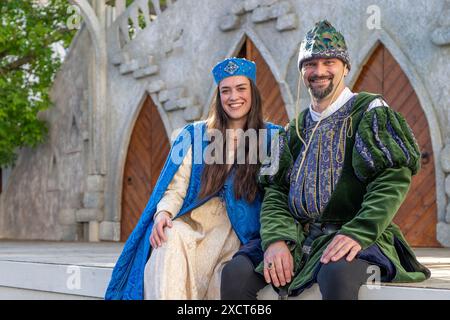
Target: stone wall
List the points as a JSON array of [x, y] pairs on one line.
[[46, 185]]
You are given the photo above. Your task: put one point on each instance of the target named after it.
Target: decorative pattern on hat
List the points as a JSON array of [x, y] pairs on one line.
[[323, 41], [234, 67]]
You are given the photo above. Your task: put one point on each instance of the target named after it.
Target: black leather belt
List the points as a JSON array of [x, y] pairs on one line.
[[315, 230]]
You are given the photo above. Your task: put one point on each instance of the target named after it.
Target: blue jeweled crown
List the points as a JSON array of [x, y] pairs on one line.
[[234, 67]]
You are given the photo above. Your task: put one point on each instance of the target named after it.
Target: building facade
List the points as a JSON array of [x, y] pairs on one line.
[[133, 75]]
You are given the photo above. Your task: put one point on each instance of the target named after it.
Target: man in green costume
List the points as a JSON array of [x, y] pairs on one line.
[[345, 167]]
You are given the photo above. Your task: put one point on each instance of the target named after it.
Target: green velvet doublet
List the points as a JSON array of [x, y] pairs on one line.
[[356, 173]]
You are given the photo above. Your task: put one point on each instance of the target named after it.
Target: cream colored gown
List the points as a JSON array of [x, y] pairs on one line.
[[189, 264]]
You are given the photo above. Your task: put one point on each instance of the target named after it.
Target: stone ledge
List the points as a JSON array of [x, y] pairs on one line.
[[170, 105], [129, 67], [145, 72], [87, 215], [281, 9], [119, 57], [186, 102], [384, 292], [46, 267], [287, 22], [250, 5], [156, 86], [441, 36], [146, 61], [261, 11], [45, 279], [54, 278], [261, 14], [171, 94]]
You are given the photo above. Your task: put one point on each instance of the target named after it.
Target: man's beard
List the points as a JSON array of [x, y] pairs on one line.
[[319, 94]]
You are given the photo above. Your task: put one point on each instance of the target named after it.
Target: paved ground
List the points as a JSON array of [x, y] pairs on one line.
[[105, 254]]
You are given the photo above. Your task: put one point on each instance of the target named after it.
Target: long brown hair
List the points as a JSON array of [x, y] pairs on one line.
[[214, 175]]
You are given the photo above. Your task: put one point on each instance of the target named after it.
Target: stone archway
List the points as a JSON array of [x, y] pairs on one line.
[[417, 217], [273, 105], [147, 152]]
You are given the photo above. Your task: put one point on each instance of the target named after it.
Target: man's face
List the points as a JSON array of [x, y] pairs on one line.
[[322, 75]]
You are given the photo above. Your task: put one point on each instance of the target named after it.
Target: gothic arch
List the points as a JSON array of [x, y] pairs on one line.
[[376, 57], [249, 33], [147, 131], [380, 36]]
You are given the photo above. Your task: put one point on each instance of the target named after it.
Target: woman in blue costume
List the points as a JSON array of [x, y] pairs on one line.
[[203, 210]]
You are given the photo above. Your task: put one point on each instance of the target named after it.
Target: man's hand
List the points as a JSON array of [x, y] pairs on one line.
[[162, 220], [339, 247], [278, 264]]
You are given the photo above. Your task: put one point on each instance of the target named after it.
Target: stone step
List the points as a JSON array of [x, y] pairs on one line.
[[382, 292], [67, 270], [28, 280], [56, 270]]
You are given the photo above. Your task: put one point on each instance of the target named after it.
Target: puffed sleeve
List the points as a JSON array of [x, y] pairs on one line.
[[173, 197], [385, 155], [384, 140]]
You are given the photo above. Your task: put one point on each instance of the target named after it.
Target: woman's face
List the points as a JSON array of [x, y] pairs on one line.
[[236, 97]]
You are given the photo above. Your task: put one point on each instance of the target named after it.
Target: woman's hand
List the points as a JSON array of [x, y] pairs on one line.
[[162, 220]]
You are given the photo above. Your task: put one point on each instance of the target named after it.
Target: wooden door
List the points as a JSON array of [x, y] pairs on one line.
[[273, 105], [147, 152], [417, 215]]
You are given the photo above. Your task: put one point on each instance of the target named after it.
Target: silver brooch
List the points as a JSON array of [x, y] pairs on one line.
[[231, 67]]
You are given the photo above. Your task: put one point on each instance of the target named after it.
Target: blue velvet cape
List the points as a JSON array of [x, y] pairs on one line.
[[127, 280]]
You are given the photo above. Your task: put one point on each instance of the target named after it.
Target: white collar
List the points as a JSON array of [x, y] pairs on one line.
[[345, 95]]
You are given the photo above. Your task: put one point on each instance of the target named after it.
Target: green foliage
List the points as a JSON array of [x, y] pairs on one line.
[[28, 63]]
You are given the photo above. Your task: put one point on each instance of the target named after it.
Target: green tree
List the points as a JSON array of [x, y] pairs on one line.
[[30, 33]]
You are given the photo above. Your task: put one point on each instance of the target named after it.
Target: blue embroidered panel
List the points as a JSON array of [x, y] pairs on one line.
[[380, 144], [399, 141], [312, 187]]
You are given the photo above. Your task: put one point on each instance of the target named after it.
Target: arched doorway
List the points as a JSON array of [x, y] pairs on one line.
[[417, 215], [147, 152], [273, 105]]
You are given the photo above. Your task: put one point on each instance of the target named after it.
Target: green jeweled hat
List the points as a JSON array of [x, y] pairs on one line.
[[323, 41]]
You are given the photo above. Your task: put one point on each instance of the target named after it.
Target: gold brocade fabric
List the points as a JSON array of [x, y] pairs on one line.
[[189, 264]]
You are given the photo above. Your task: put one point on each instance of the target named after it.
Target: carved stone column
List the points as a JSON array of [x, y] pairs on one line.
[[93, 198]]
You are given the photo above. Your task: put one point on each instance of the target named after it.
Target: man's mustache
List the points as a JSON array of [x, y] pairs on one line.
[[313, 78]]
